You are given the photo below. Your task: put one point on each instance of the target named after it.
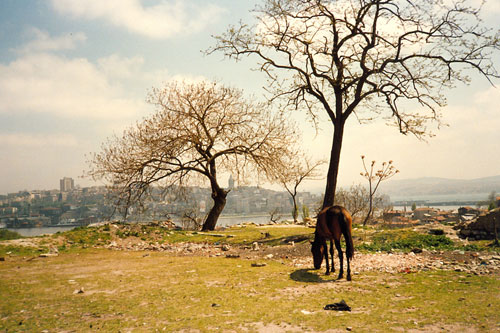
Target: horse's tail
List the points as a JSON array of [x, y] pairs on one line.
[[345, 222]]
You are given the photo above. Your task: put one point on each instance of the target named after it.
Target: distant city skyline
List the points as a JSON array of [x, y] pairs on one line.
[[73, 74]]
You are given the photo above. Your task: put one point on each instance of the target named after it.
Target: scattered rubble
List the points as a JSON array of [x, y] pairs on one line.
[[293, 251], [426, 261]]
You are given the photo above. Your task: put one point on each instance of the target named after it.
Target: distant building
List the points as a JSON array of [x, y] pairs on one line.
[[8, 210], [231, 182], [462, 211], [67, 184], [424, 214]]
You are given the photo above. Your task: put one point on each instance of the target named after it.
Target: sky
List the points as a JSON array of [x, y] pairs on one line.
[[74, 73]]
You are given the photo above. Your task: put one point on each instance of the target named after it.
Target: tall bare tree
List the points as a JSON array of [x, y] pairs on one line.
[[197, 131], [300, 169], [344, 57]]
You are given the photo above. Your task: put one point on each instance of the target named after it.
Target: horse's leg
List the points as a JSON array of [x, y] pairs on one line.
[[341, 258], [326, 258], [348, 269], [332, 251]]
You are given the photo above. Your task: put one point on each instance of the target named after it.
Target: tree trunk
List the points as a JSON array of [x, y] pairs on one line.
[[370, 208], [496, 233], [295, 212], [333, 169], [219, 198]]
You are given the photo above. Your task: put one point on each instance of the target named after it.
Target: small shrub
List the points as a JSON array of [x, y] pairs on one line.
[[471, 247], [406, 241], [7, 234]]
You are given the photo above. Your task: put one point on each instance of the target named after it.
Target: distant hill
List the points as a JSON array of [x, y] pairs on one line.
[[440, 186]]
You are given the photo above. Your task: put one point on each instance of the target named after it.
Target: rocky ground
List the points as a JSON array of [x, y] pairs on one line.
[[298, 254]]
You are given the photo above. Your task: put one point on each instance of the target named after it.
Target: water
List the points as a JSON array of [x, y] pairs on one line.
[[223, 222], [258, 219], [32, 232], [443, 208], [458, 197]]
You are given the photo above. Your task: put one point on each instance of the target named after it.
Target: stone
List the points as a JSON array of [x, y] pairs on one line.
[[258, 264], [46, 255], [79, 291], [232, 255], [436, 232], [483, 227]]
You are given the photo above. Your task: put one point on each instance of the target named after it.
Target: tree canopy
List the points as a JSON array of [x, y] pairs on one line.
[[389, 58], [197, 131]]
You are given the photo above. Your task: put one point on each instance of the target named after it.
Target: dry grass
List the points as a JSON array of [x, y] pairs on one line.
[[148, 291]]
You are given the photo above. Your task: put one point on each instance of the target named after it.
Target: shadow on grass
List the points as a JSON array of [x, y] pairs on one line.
[[308, 275]]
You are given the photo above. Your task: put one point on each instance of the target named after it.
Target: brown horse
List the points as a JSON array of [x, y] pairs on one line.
[[333, 222]]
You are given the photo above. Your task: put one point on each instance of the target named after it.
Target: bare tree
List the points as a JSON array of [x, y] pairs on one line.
[[190, 219], [299, 169], [275, 215], [197, 131], [355, 199], [365, 57], [374, 179]]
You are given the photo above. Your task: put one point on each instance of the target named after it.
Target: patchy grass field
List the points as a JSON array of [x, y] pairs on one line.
[[87, 289], [137, 291]]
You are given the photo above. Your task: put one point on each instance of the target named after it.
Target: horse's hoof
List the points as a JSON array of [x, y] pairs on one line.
[[348, 278], [327, 273], [340, 277]]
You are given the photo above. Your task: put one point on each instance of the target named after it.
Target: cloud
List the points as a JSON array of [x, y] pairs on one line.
[[42, 81], [163, 20], [44, 42], [118, 67], [48, 83], [34, 140]]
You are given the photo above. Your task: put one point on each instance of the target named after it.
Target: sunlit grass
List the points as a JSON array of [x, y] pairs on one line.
[[127, 290]]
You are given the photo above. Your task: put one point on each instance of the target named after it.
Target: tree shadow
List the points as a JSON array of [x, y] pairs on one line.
[[273, 241], [307, 275]]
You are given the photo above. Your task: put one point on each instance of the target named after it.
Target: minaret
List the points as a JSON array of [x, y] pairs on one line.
[[231, 182]]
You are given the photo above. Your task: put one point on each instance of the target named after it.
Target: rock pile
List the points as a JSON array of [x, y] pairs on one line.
[[459, 261], [483, 227]]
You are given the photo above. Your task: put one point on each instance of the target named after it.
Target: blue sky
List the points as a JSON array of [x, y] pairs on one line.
[[73, 73]]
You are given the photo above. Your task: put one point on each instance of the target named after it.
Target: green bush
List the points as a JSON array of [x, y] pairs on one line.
[[7, 234], [406, 242]]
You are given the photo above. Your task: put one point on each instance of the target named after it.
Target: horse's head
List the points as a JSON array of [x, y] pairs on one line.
[[318, 251]]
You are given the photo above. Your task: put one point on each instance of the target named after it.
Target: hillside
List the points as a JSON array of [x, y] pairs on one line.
[[441, 186]]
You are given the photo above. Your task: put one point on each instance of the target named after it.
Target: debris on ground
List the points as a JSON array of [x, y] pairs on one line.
[[340, 306]]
